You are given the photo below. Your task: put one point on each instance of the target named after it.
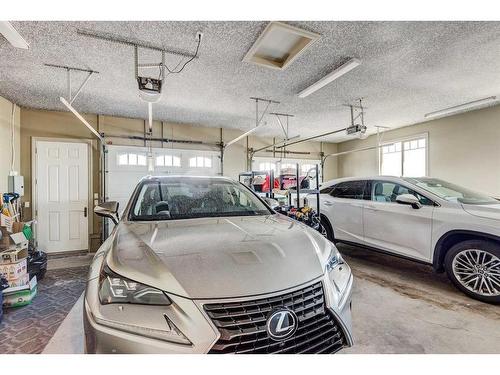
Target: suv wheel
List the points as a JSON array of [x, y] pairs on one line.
[[474, 267]]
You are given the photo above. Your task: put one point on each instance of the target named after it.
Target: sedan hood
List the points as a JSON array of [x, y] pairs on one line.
[[488, 211], [219, 257]]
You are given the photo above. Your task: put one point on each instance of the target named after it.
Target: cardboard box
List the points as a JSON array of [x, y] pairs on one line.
[[17, 226], [5, 240], [14, 271], [15, 239], [13, 256], [20, 296], [21, 281], [20, 240], [1, 304]]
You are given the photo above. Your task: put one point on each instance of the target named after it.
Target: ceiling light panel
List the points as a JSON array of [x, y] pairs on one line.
[[337, 73], [279, 45], [476, 104]]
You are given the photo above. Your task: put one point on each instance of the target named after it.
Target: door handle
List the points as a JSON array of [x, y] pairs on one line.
[[85, 212], [372, 208], [328, 203]]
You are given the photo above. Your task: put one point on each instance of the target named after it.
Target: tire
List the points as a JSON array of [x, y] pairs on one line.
[[473, 266], [328, 228]]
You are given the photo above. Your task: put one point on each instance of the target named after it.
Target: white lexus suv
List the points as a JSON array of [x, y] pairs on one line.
[[424, 219]]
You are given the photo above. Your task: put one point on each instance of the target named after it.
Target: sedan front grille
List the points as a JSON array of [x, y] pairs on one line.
[[243, 324]]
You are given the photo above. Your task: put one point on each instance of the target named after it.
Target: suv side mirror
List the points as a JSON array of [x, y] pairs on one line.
[[109, 210], [409, 199], [273, 203]]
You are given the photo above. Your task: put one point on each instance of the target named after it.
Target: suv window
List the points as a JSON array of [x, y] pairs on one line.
[[349, 190], [326, 190], [385, 191]]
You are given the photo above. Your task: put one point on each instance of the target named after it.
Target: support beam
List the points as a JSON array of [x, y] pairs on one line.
[[314, 137], [279, 143], [132, 42], [258, 119], [80, 117], [80, 88], [241, 136]]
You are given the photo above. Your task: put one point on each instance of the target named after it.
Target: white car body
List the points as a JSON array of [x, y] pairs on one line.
[[419, 234]]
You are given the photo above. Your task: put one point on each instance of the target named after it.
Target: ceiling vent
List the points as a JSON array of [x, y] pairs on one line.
[[278, 45]]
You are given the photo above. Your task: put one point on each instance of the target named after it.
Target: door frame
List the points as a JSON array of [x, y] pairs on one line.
[[34, 171]]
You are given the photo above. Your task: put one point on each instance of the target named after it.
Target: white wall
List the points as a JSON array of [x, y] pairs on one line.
[[5, 141], [464, 149]]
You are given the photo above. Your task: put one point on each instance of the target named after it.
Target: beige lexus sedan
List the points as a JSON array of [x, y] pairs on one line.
[[203, 265]]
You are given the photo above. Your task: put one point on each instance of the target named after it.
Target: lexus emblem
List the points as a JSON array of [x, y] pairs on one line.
[[281, 324]]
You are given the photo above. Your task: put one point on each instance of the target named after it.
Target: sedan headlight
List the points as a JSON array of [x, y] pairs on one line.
[[334, 260], [114, 288]]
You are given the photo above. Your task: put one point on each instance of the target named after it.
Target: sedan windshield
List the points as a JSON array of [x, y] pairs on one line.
[[174, 198], [451, 192]]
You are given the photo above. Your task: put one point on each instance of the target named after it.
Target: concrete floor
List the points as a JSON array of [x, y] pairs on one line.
[[404, 307], [398, 307]]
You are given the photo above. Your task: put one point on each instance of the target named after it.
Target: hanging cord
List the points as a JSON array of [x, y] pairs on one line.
[[13, 128], [174, 71]]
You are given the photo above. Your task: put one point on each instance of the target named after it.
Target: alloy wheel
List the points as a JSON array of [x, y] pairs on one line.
[[478, 271]]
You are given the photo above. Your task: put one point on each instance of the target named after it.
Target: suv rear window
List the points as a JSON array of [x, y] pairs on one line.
[[350, 190]]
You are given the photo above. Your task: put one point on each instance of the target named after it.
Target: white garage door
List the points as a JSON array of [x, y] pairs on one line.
[[128, 164]]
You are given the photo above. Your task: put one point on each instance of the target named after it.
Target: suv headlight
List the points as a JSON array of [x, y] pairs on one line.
[[114, 288], [334, 260]]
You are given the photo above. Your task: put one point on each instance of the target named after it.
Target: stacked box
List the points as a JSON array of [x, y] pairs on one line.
[[13, 271], [21, 295], [1, 306], [14, 267]]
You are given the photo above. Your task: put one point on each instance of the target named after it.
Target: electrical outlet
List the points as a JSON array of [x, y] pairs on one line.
[[26, 204]]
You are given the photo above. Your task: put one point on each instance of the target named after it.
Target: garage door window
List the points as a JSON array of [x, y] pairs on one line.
[[168, 161], [132, 159], [200, 162], [406, 158]]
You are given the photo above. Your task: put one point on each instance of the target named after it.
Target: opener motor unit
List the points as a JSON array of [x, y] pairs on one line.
[[356, 129], [149, 85]]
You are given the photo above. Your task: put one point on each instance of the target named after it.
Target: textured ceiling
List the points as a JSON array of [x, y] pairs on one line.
[[408, 69]]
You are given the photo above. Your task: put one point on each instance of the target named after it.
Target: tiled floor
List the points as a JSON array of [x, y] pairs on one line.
[[28, 329]]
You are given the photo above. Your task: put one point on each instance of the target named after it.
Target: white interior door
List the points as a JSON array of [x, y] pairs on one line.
[[62, 183]]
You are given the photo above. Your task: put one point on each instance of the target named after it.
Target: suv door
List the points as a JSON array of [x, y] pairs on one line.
[[343, 206], [395, 227]]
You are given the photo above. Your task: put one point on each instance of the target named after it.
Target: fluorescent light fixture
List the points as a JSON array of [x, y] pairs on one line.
[[242, 136], [279, 45], [462, 107], [12, 36], [340, 71], [96, 133]]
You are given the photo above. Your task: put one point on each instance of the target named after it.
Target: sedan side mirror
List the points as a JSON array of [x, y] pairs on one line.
[[409, 199], [109, 210], [273, 203]]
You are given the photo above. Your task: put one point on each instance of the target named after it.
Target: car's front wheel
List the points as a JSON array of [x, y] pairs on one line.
[[327, 227], [474, 267]]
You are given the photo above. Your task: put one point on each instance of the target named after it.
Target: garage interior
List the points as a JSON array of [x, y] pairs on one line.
[[229, 106]]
